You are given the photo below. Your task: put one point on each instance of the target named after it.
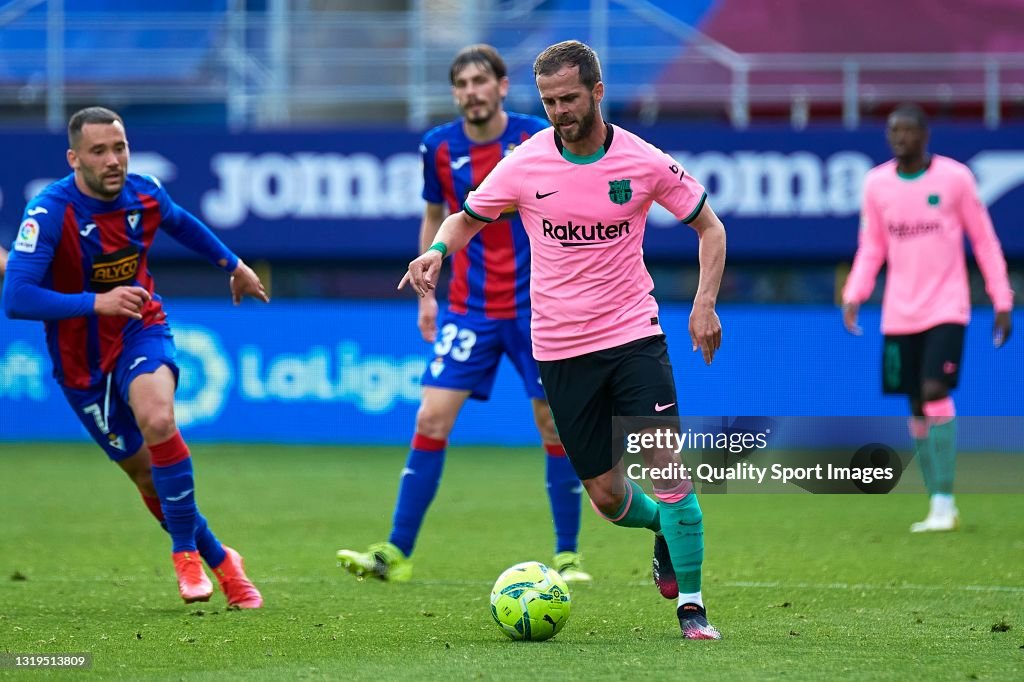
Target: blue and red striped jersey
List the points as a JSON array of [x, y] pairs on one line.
[[492, 274], [71, 246]]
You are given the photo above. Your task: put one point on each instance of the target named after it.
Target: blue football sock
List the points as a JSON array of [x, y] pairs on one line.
[[682, 524], [207, 543], [420, 479], [176, 488], [564, 490]]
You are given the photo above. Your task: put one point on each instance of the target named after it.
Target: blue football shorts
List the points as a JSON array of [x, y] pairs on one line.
[[468, 351], [103, 409]]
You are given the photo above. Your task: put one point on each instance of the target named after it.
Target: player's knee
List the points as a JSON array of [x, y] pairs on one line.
[[933, 390], [548, 432], [546, 424], [157, 425], [433, 424]]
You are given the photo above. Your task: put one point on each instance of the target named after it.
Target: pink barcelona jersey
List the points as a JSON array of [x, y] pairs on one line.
[[585, 218], [916, 226]]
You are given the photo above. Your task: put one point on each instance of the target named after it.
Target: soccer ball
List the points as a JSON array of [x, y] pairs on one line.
[[530, 602]]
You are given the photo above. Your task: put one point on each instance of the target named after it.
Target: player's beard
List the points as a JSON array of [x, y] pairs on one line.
[[99, 187], [489, 110], [584, 125]]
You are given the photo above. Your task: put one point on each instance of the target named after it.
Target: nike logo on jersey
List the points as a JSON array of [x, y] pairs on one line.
[[541, 196], [136, 362], [658, 407], [37, 210], [85, 231], [180, 497], [460, 162]]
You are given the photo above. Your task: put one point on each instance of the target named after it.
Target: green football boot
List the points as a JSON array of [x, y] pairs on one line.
[[382, 560], [568, 566]]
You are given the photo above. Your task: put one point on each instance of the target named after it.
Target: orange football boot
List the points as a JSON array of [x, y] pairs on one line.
[[239, 590], [192, 581]]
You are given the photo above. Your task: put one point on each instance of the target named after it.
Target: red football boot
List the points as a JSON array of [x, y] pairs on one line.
[[192, 581], [239, 590]]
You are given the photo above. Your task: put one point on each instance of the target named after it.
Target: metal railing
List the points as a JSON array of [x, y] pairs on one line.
[[284, 67]]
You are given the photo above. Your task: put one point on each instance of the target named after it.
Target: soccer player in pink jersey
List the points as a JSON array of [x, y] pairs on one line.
[[917, 207], [487, 318], [584, 188]]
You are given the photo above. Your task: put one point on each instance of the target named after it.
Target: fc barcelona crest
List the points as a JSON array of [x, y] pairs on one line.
[[619, 191]]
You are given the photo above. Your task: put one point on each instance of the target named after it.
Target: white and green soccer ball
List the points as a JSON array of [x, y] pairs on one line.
[[530, 602]]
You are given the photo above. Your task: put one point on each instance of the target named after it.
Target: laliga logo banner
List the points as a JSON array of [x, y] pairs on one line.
[[285, 388], [230, 388], [325, 372]]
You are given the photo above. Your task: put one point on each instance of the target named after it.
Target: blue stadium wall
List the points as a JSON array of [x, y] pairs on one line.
[[322, 372], [356, 194]]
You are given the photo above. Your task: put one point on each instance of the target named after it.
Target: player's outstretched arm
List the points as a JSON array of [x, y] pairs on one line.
[[705, 327], [3, 261], [193, 234], [456, 231], [245, 282]]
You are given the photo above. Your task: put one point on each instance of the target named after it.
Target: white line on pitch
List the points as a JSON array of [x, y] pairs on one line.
[[743, 584], [867, 587]]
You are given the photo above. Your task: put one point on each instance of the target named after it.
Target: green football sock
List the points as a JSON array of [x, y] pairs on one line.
[[683, 528], [925, 457], [943, 441], [637, 510]]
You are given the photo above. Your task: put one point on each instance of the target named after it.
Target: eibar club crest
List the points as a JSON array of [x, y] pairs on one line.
[[133, 219], [619, 191]]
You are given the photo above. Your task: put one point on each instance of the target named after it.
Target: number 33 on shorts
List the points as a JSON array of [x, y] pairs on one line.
[[455, 343]]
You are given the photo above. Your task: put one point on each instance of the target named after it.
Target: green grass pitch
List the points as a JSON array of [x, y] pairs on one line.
[[802, 586]]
